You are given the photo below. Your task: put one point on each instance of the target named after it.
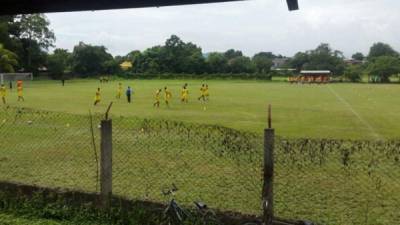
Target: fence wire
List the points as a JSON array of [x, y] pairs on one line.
[[326, 181], [47, 149], [338, 182], [208, 163]]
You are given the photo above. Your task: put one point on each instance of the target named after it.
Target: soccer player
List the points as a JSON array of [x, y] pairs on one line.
[[206, 93], [157, 98], [167, 95], [3, 93], [128, 94], [19, 83], [20, 94], [119, 91], [185, 94], [202, 93], [97, 97]]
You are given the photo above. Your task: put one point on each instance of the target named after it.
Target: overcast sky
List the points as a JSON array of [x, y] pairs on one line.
[[251, 26]]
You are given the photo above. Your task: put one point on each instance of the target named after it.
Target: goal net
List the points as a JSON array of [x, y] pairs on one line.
[[6, 77]]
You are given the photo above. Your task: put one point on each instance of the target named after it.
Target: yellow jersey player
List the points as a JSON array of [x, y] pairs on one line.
[[206, 93], [167, 96], [157, 98], [97, 97], [202, 93], [119, 91], [185, 94], [20, 94], [3, 93]]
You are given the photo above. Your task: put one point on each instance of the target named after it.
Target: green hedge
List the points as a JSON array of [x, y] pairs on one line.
[[128, 75]]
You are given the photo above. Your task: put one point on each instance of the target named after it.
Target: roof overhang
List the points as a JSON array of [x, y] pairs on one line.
[[315, 72], [12, 7]]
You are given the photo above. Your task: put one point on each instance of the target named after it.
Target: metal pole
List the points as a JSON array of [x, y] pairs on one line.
[[106, 163], [267, 193]]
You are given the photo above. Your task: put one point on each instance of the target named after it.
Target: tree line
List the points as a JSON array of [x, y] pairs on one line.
[[25, 41], [174, 57]]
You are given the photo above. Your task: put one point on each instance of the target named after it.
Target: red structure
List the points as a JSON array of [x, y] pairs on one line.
[[312, 76]]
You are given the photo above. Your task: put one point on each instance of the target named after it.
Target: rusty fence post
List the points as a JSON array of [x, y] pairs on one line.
[[267, 193], [106, 164]]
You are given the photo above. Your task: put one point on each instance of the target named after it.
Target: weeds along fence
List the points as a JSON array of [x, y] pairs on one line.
[[327, 181]]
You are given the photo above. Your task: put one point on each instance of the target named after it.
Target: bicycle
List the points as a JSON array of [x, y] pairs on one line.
[[207, 216], [174, 214]]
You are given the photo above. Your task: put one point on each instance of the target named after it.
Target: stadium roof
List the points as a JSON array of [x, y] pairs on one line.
[[11, 7]]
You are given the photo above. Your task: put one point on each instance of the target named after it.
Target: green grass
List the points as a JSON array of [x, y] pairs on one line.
[[8, 218], [344, 111], [219, 166]]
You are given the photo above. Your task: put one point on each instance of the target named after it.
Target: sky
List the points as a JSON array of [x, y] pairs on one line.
[[250, 26]]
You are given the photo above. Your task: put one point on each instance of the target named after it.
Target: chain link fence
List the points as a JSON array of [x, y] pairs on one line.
[[338, 182], [326, 181], [47, 149], [219, 166]]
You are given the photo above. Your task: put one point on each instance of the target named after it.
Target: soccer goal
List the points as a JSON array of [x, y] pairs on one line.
[[6, 77]]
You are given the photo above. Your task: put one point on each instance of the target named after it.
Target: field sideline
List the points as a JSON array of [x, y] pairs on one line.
[[345, 111]]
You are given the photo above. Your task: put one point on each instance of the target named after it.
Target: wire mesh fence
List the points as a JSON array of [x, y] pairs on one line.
[[338, 182], [47, 149], [208, 163], [326, 181]]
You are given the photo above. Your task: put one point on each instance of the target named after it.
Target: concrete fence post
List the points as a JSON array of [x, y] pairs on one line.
[[106, 164], [267, 193]]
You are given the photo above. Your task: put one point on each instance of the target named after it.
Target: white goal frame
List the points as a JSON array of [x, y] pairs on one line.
[[15, 76]]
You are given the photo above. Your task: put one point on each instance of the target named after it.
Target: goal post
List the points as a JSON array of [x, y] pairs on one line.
[[5, 77]]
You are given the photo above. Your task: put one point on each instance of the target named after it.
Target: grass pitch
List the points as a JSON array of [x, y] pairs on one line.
[[312, 181], [342, 111]]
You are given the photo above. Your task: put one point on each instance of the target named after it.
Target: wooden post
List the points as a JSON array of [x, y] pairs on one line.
[[267, 193], [106, 164]]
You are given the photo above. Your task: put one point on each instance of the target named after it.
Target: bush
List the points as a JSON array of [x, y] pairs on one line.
[[353, 73]]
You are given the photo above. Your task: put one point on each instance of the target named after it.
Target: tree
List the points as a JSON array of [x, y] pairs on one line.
[[9, 31], [112, 66], [358, 56], [216, 62], [180, 57], [35, 35], [6, 34], [299, 60], [353, 73], [8, 60], [241, 64], [381, 49], [263, 61], [232, 53], [59, 63], [152, 60], [135, 58], [384, 67], [321, 58], [90, 60], [192, 59]]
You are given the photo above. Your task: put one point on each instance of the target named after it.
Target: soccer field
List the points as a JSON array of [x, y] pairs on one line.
[[355, 111]]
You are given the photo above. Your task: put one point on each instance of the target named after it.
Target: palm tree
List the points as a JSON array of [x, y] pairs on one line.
[[8, 60]]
